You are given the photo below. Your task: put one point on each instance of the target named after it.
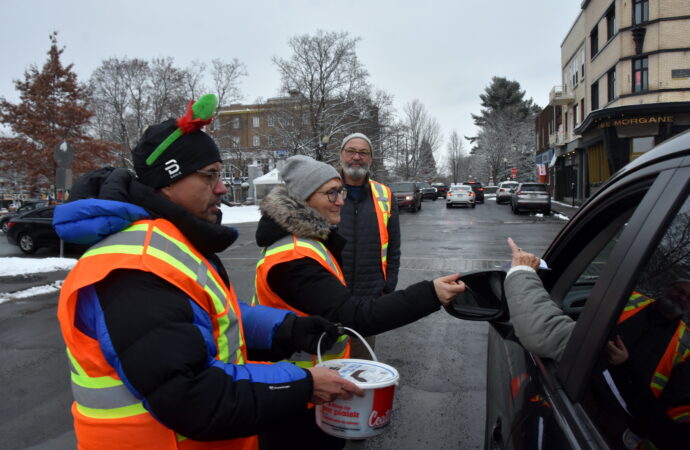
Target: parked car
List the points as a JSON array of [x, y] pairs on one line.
[[29, 206], [532, 197], [441, 189], [33, 229], [503, 192], [408, 195], [428, 191], [628, 241], [478, 190], [460, 194]]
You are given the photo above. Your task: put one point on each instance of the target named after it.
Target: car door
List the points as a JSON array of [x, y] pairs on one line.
[[596, 262], [42, 227]]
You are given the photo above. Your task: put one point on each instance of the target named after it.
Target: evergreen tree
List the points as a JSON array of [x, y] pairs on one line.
[[52, 109], [427, 163]]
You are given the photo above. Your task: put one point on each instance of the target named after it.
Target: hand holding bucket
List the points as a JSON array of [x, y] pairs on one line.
[[359, 417]]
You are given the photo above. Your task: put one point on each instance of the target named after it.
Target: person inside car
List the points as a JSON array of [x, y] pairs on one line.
[[647, 356]]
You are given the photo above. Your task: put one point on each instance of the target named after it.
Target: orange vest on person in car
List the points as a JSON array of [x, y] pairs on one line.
[[677, 352], [288, 249], [381, 196], [106, 413]]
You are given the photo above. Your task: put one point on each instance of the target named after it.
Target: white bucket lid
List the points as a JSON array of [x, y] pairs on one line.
[[364, 373]]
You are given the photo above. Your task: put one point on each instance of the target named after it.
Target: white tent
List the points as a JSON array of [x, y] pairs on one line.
[[266, 182]]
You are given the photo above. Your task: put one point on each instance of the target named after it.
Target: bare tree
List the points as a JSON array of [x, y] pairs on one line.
[[167, 89], [328, 87], [420, 129], [457, 160], [226, 79], [194, 80]]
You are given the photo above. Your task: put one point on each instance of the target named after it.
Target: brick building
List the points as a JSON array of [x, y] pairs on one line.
[[625, 88]]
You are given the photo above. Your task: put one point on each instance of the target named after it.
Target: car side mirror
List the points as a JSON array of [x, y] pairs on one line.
[[483, 299]]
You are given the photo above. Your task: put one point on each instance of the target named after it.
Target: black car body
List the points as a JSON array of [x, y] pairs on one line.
[[478, 191], [408, 195], [428, 191], [441, 189], [26, 207], [631, 237], [32, 230]]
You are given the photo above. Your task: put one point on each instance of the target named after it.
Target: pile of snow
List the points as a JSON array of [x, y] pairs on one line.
[[240, 214], [22, 266]]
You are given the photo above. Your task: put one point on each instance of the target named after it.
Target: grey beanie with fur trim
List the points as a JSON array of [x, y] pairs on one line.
[[352, 136], [304, 175]]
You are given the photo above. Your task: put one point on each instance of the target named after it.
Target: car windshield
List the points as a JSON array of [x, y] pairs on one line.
[[533, 188], [424, 185], [508, 185], [402, 187]]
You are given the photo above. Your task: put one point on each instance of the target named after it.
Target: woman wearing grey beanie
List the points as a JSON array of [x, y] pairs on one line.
[[300, 271]]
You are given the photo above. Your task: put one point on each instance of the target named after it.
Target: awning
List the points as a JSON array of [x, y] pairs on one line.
[[553, 160]]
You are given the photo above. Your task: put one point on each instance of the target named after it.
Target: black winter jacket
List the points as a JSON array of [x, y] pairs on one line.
[[362, 253], [307, 286]]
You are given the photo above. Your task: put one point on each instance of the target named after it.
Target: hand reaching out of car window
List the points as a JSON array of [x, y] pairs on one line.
[[521, 257], [448, 287]]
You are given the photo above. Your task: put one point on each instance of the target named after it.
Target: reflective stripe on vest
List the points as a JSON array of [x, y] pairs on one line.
[[287, 249], [677, 352], [680, 414], [180, 257], [636, 302], [381, 196]]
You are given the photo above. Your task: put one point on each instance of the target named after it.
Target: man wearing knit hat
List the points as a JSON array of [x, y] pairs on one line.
[[369, 223], [156, 340]]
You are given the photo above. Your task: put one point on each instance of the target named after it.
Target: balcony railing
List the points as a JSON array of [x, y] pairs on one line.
[[560, 95]]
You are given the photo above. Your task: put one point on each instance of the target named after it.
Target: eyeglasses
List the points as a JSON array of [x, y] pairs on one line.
[[211, 175], [352, 152], [334, 193]]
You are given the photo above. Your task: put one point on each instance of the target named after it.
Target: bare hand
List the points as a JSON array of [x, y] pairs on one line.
[[329, 386], [521, 257], [448, 287], [617, 353]]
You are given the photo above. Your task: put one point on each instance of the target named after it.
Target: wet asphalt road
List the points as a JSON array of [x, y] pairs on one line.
[[439, 402]]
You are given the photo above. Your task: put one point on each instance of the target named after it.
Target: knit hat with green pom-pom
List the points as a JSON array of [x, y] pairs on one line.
[[171, 150]]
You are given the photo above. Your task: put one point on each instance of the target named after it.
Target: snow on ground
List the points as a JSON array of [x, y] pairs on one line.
[[240, 214], [20, 266], [38, 290]]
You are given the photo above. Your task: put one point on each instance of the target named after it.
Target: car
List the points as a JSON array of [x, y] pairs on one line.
[[441, 189], [478, 190], [428, 191], [629, 241], [503, 192], [460, 194], [407, 194], [530, 196], [27, 206], [33, 229]]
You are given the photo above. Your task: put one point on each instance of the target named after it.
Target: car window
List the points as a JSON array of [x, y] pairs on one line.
[[640, 393], [402, 187], [45, 213], [533, 188]]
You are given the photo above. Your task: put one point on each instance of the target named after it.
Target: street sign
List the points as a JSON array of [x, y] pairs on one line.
[[513, 172]]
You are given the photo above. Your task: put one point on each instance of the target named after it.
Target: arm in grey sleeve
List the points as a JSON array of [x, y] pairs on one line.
[[539, 323], [393, 249]]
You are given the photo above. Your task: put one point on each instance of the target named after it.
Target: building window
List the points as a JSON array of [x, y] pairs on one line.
[[595, 95], [611, 84], [256, 141], [236, 122], [255, 122], [640, 11], [611, 22], [640, 76], [270, 140], [582, 110], [271, 121], [236, 141], [594, 40]]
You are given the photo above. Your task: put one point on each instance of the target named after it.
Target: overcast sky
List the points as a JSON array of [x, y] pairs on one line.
[[443, 53]]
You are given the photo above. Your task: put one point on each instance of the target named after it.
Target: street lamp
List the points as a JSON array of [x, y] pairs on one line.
[[505, 168], [324, 144]]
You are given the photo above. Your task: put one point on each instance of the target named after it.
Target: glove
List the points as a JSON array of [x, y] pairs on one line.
[[306, 332]]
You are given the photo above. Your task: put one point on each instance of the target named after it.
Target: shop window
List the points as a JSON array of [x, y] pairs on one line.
[[640, 11], [640, 78]]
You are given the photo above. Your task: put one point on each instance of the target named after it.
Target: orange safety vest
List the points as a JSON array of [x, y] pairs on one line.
[[677, 352], [106, 413], [381, 196], [287, 249]]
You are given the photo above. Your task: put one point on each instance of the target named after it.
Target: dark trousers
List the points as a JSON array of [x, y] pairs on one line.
[[300, 433]]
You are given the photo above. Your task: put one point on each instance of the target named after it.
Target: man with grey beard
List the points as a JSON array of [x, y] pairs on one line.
[[369, 222]]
